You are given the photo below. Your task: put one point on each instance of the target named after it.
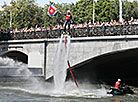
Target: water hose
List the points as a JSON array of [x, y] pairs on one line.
[[72, 74], [65, 40], [69, 65]]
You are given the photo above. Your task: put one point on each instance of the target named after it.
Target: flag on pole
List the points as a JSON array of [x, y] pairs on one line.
[[52, 10]]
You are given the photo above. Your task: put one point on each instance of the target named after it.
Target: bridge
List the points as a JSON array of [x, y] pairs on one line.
[[104, 52]]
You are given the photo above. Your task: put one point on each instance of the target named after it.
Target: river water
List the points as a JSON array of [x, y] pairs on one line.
[[28, 92]]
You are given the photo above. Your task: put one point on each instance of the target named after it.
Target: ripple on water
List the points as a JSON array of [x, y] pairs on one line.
[[24, 94]]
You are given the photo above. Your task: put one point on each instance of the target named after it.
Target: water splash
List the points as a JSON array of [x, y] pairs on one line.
[[24, 73], [63, 88], [61, 64], [9, 62]]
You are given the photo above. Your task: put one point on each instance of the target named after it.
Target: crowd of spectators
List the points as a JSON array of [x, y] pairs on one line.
[[111, 23]]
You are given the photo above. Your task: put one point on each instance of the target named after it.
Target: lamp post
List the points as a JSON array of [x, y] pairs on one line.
[[120, 10], [94, 10], [10, 19]]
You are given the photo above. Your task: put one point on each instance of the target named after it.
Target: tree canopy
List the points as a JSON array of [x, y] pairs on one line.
[[26, 13]]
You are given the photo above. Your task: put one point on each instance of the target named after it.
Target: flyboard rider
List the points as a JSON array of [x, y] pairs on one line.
[[52, 11], [67, 21]]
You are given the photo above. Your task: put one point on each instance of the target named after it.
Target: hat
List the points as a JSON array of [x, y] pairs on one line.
[[68, 11], [119, 79]]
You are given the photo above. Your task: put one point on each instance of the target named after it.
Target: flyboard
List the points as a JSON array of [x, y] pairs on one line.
[[66, 36]]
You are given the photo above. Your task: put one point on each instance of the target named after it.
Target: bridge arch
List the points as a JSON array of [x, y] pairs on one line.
[[109, 67], [16, 55]]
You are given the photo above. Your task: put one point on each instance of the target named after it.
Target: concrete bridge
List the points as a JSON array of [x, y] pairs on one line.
[[40, 54]]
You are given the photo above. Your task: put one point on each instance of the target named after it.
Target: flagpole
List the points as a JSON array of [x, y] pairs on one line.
[[120, 10]]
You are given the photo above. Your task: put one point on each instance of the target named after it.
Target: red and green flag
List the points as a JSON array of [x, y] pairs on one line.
[[52, 10]]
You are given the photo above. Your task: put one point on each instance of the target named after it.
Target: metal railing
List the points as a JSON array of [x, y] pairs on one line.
[[79, 32]]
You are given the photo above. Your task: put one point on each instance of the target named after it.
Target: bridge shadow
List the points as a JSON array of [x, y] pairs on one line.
[[107, 68]]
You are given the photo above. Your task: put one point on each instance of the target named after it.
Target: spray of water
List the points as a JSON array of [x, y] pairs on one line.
[[61, 64], [68, 48], [25, 74], [9, 62], [69, 88]]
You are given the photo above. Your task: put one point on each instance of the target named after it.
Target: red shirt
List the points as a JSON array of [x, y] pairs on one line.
[[68, 16], [117, 84]]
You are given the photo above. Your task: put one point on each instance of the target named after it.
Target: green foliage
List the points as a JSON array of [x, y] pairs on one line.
[[105, 10], [26, 13]]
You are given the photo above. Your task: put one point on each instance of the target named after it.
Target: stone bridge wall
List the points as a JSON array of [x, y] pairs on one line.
[[41, 53], [82, 49]]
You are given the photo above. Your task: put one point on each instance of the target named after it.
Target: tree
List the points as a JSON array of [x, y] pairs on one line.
[[135, 9], [106, 10], [26, 14], [4, 17], [130, 9], [127, 7]]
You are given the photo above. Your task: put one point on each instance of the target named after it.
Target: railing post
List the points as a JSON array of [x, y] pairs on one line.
[[34, 33], [88, 30], [11, 34], [46, 33], [50, 33], [23, 34], [73, 31], [59, 32]]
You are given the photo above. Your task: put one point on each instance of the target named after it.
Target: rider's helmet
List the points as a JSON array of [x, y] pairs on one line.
[[119, 79], [68, 11]]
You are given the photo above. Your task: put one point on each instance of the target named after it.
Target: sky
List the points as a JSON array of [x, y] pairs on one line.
[[43, 2]]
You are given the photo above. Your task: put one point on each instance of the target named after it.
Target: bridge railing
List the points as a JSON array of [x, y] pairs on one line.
[[79, 32]]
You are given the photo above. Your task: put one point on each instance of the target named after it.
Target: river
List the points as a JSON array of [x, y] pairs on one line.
[[44, 92]]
